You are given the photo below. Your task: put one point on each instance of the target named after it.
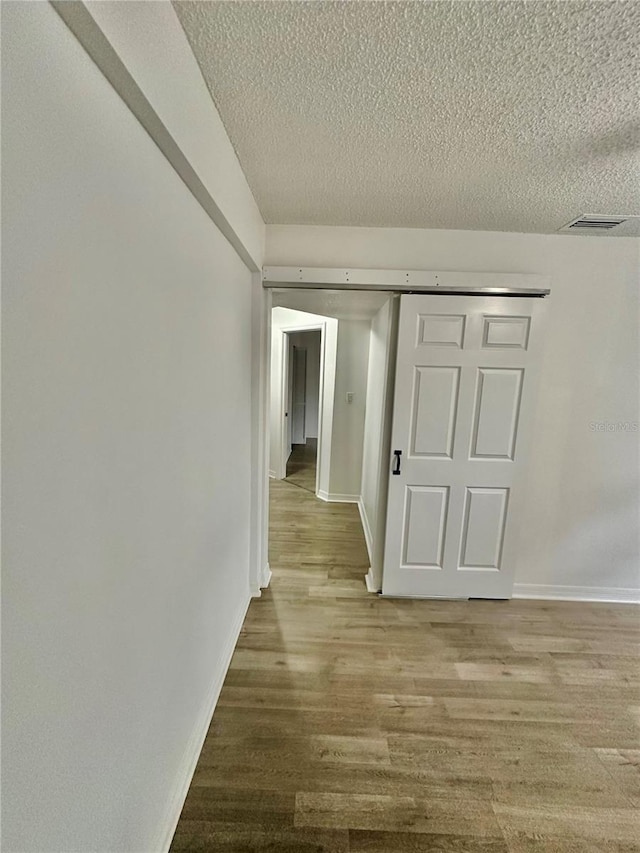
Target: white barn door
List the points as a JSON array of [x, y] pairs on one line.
[[461, 423]]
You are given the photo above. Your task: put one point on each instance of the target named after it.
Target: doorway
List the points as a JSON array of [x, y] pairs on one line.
[[330, 356], [499, 323], [286, 346], [303, 408]]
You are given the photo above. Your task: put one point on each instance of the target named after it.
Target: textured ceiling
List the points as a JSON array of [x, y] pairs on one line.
[[503, 116]]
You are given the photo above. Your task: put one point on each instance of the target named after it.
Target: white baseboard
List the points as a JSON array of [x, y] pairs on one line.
[[337, 498], [611, 595], [272, 473], [368, 538], [194, 747], [372, 586], [266, 577]]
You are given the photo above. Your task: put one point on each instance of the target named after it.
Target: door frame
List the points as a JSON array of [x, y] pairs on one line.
[[323, 278], [326, 385]]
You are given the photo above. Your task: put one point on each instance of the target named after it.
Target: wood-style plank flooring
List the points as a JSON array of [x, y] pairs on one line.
[[349, 722], [301, 465]]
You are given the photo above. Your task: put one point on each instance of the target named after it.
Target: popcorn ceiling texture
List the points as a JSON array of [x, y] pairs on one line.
[[502, 116]]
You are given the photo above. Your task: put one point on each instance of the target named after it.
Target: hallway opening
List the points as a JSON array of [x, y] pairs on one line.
[[330, 362], [302, 366]]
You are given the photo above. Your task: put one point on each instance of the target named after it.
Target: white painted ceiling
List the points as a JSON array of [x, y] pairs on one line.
[[342, 304], [505, 116]]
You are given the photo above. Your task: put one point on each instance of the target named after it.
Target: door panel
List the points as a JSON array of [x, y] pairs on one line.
[[445, 330], [462, 420], [425, 521], [496, 412], [434, 406], [506, 332], [483, 526]]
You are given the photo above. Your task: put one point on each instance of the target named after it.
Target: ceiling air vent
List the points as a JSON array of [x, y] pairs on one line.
[[594, 222]]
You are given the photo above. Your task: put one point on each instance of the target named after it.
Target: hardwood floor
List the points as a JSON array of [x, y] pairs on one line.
[[349, 722], [301, 465]]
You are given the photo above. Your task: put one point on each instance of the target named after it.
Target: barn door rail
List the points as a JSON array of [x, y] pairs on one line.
[[407, 281]]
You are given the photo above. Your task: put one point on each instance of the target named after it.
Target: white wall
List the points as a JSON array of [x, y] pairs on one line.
[[348, 418], [582, 514], [127, 451]]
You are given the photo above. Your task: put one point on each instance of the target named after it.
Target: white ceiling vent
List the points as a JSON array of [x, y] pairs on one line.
[[592, 223]]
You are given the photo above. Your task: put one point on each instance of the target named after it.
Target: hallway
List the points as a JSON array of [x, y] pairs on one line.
[[349, 722]]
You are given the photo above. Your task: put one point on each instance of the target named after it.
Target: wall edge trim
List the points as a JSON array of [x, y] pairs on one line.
[[371, 584], [552, 592], [334, 497], [366, 527], [266, 576]]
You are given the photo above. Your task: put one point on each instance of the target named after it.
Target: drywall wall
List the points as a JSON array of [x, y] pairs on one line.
[[581, 538], [375, 470], [348, 417], [126, 452], [310, 342]]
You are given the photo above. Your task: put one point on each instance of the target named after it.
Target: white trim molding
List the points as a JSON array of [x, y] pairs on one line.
[[603, 594], [194, 747], [337, 498], [264, 579], [372, 586], [266, 576], [366, 527]]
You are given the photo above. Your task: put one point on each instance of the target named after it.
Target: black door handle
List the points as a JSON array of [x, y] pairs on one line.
[[397, 454]]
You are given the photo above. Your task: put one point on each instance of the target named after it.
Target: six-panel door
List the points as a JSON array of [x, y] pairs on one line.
[[462, 417]]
